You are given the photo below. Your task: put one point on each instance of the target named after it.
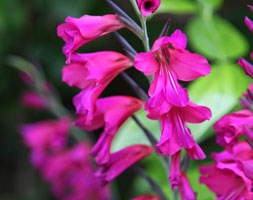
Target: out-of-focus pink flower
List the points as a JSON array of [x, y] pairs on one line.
[[148, 6], [122, 160], [33, 100], [233, 125], [185, 190], [175, 133], [72, 175], [169, 61], [247, 98], [232, 168], [92, 72], [79, 31], [45, 138], [247, 67], [146, 197], [113, 111], [249, 23]]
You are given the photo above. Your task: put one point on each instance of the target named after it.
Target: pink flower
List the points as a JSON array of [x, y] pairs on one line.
[[247, 98], [249, 23], [176, 135], [233, 125], [122, 160], [87, 74], [148, 6], [45, 138], [78, 31], [111, 112], [179, 180], [247, 67], [232, 169], [170, 62], [33, 100], [72, 175], [146, 197]]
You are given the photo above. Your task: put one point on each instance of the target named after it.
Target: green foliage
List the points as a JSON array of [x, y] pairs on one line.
[[178, 6], [130, 133], [220, 91], [216, 38]]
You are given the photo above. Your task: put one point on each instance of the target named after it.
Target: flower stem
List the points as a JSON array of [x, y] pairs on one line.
[[156, 188], [145, 38]]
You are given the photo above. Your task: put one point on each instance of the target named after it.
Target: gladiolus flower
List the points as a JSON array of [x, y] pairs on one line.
[[33, 100], [92, 72], [232, 169], [121, 160], [233, 125], [113, 111], [176, 135], [170, 62], [148, 6], [78, 31], [247, 98], [247, 67], [45, 138], [72, 175]]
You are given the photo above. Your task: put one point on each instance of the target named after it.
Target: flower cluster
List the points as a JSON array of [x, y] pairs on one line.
[[68, 170], [91, 73], [169, 102], [233, 166]]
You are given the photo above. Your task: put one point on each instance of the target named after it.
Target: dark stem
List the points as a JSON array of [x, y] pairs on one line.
[[139, 91], [155, 187], [151, 138], [166, 28]]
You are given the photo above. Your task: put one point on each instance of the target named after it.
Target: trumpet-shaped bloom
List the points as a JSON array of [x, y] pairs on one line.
[[78, 31], [92, 72], [247, 67], [169, 61], [45, 138], [148, 6], [247, 98], [111, 112], [233, 167], [233, 125], [71, 175], [175, 133], [122, 160]]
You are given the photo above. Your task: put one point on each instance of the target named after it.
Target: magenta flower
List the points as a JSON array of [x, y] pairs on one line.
[[233, 125], [111, 112], [247, 98], [233, 169], [176, 135], [148, 6], [179, 180], [146, 197], [72, 175], [247, 67], [33, 100], [170, 62], [78, 31], [249, 23], [45, 138], [122, 160], [87, 74]]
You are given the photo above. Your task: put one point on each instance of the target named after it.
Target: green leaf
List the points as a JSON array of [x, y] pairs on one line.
[[130, 133], [220, 91], [178, 6], [216, 38], [211, 4]]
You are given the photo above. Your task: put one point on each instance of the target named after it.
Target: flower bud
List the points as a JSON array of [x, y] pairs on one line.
[[148, 6]]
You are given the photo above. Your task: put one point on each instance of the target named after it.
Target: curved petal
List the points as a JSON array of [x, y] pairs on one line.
[[146, 63]]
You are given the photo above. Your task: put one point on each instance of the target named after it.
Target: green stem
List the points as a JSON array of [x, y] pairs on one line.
[[145, 38]]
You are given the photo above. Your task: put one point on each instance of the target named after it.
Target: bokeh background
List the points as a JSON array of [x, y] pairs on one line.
[[28, 29]]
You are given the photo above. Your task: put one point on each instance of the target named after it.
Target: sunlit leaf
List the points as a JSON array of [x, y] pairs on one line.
[[130, 133], [216, 38], [178, 6], [220, 91]]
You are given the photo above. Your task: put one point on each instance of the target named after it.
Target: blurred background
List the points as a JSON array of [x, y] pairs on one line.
[[28, 29]]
